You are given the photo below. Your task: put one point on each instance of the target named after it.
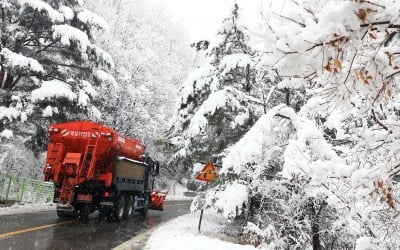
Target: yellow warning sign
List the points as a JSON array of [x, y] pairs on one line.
[[208, 173]]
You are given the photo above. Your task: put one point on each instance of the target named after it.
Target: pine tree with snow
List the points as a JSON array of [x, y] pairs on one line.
[[50, 66], [218, 101], [338, 156]]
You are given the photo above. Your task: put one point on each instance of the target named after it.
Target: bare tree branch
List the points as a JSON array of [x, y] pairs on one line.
[[378, 121]]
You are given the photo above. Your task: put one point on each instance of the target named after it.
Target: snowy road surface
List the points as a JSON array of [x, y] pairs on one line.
[[43, 230]]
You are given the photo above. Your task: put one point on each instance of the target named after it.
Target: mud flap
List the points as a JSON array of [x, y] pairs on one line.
[[157, 199]]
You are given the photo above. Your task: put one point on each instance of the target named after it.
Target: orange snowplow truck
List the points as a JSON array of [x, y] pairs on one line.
[[95, 168]]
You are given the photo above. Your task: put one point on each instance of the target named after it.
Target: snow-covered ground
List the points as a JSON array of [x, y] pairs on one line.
[[182, 233], [177, 191], [19, 208]]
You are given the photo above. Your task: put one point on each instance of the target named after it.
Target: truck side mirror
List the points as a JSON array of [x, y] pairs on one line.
[[155, 168]]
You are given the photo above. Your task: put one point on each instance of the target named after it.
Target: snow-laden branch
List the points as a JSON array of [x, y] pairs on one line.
[[19, 63], [39, 5]]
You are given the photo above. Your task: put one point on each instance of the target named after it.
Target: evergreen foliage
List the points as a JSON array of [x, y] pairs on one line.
[[48, 60], [218, 102]]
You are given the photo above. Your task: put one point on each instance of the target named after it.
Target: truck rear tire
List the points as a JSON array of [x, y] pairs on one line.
[[145, 210], [65, 214], [128, 206], [119, 208]]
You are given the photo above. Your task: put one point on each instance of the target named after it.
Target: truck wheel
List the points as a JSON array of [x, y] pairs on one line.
[[105, 212], [83, 214], [145, 210], [128, 206], [65, 214], [119, 208]]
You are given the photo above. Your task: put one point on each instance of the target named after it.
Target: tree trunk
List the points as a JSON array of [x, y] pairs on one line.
[[315, 236], [248, 78], [315, 218], [287, 96], [8, 84], [2, 71]]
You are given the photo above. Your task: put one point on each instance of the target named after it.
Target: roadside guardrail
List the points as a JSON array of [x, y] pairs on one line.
[[13, 188]]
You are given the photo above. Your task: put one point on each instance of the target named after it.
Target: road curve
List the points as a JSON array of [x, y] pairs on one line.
[[43, 230]]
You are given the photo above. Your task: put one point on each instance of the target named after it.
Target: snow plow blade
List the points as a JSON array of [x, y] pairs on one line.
[[157, 199]]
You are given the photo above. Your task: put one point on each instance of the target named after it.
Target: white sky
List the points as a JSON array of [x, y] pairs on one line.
[[202, 18]]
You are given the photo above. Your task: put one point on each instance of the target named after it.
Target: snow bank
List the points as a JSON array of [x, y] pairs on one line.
[[182, 234], [176, 192], [19, 208], [52, 89]]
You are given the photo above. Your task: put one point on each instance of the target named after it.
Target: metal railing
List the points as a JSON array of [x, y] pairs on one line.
[[22, 189]]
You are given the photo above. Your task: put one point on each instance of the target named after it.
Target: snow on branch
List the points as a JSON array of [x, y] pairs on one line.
[[217, 100], [41, 6], [68, 34], [233, 197], [346, 45], [67, 12], [6, 133], [106, 78], [20, 63], [197, 80], [10, 113], [88, 88], [53, 89], [251, 146], [91, 18], [233, 61], [103, 55]]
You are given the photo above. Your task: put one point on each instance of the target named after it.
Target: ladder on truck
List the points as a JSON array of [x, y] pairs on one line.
[[89, 159], [54, 160], [67, 192]]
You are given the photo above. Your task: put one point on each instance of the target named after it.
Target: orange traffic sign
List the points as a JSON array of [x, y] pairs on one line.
[[208, 173]]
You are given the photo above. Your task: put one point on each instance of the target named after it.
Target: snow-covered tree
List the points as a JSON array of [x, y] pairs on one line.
[[344, 53], [153, 58], [48, 65], [218, 101], [325, 176]]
